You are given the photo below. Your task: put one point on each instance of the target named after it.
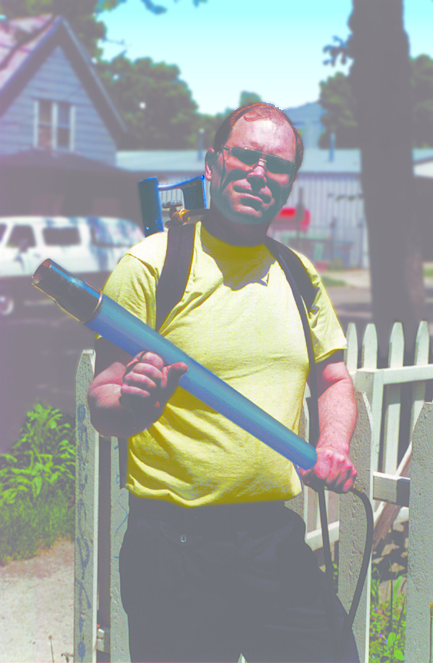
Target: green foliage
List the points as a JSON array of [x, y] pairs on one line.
[[37, 479], [247, 98], [80, 14], [387, 622], [336, 97], [422, 94], [156, 105]]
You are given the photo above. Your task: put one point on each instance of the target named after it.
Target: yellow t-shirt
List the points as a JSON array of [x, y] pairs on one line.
[[238, 318]]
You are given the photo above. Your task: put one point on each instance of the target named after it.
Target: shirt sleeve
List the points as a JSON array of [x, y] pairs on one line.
[[327, 334], [132, 284]]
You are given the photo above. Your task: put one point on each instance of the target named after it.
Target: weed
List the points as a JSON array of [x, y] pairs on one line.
[[387, 622], [37, 479]]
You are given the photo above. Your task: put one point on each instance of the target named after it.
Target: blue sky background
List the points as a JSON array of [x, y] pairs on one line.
[[272, 47]]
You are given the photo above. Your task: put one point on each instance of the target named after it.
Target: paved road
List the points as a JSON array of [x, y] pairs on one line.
[[39, 354]]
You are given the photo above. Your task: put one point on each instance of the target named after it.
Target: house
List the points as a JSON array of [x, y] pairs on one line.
[[58, 127]]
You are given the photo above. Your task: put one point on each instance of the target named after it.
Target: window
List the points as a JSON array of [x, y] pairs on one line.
[[22, 237], [114, 232], [61, 236], [53, 124]]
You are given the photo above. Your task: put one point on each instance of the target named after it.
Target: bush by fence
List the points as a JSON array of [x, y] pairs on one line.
[[37, 484]]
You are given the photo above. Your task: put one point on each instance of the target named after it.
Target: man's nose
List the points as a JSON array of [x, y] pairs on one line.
[[259, 169]]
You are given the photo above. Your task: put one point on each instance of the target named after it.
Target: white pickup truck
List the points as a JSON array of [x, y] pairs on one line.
[[89, 247]]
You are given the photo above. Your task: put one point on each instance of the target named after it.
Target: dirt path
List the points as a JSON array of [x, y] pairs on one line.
[[36, 601]]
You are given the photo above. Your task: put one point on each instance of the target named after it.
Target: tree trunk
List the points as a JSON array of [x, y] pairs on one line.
[[380, 77]]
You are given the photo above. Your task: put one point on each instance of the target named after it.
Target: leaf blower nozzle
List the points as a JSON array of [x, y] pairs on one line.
[[74, 296]]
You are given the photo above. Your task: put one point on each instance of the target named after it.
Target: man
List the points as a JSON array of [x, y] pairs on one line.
[[213, 564]]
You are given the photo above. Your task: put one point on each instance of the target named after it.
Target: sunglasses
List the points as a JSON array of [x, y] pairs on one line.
[[250, 158]]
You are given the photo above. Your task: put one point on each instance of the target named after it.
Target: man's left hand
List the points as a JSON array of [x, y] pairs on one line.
[[333, 470]]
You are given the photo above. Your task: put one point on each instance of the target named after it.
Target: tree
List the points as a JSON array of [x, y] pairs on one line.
[[247, 98], [82, 15], [422, 95], [381, 83], [336, 97], [156, 105]]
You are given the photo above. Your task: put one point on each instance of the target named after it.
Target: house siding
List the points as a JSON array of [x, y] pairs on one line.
[[56, 80]]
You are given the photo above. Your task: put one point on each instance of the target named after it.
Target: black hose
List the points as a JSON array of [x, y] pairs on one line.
[[338, 645]]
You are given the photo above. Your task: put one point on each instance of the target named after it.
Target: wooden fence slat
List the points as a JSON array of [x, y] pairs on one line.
[[420, 576], [369, 347], [86, 519], [352, 538], [392, 405], [351, 353], [422, 345]]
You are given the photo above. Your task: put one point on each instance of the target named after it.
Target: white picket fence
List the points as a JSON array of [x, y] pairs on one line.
[[100, 628]]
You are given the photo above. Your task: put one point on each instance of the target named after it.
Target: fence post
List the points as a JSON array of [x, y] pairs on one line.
[[420, 576], [352, 531], [86, 519], [119, 644]]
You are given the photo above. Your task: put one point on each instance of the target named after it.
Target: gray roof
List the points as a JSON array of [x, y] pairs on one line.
[[309, 111], [187, 161], [176, 161]]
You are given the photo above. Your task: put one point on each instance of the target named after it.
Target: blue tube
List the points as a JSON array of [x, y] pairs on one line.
[[129, 333]]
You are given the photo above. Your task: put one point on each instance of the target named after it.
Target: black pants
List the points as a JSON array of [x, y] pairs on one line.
[[210, 583]]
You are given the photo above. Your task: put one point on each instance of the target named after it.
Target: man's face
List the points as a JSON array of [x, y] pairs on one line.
[[251, 195]]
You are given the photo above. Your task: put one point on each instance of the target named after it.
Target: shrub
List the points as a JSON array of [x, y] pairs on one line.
[[37, 482]]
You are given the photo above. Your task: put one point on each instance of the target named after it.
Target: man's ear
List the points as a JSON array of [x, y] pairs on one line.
[[211, 157]]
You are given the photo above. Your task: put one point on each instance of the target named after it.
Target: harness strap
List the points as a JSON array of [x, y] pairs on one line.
[[176, 270]]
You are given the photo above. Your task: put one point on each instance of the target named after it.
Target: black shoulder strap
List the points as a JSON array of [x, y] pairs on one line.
[[294, 263], [176, 270], [284, 258]]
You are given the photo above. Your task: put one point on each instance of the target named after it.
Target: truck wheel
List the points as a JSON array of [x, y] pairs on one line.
[[7, 303]]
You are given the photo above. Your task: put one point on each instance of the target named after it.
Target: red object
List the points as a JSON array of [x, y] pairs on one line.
[[286, 220]]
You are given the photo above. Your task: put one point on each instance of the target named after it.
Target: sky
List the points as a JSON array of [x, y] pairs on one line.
[[271, 47]]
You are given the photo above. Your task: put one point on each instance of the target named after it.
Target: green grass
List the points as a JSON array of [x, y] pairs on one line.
[[330, 282], [37, 484], [428, 272]]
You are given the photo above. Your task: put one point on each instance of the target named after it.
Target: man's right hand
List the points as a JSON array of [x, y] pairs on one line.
[[128, 395], [149, 383]]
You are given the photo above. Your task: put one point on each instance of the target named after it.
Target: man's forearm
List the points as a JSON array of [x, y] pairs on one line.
[[337, 416]]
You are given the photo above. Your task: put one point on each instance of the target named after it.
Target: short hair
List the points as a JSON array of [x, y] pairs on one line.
[[256, 111]]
